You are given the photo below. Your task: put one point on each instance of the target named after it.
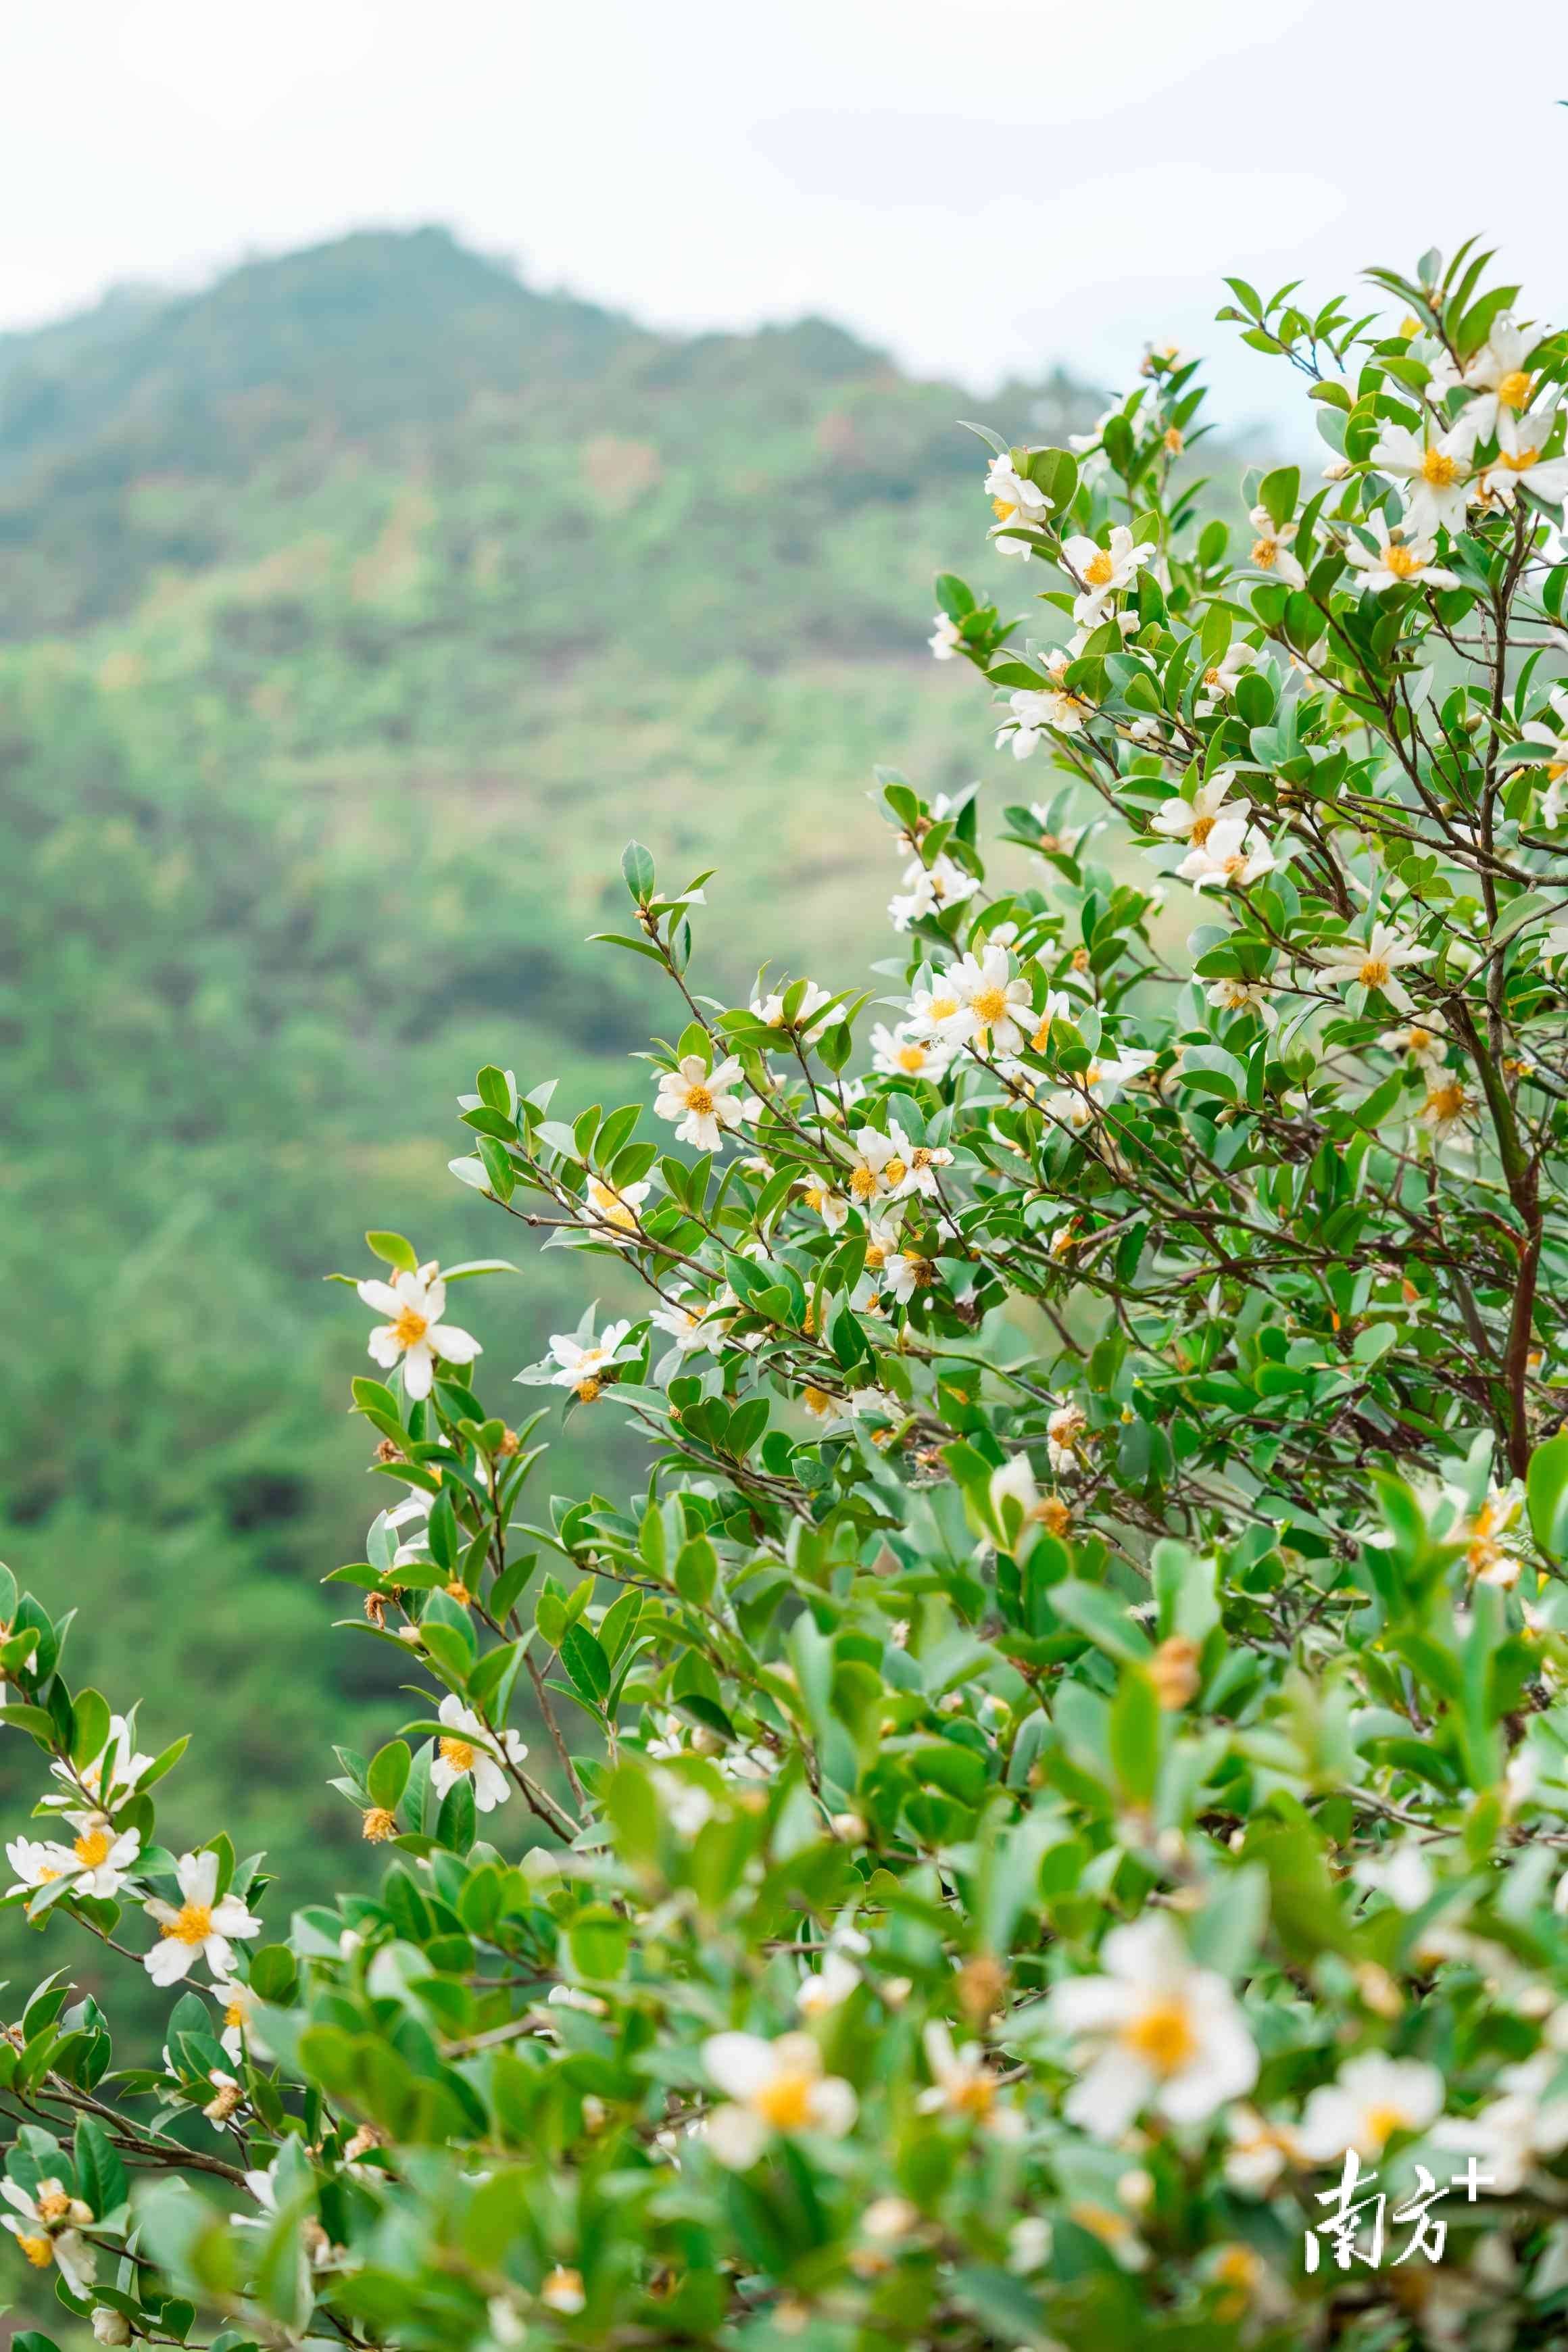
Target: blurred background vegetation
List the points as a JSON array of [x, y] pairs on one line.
[[352, 613]]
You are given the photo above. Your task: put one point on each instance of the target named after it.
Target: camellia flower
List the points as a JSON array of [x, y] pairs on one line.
[[603, 1207], [562, 2289], [1445, 1113], [100, 1855], [1063, 1430], [1104, 570], [1499, 376], [701, 1099], [1402, 1871], [114, 1773], [1372, 2097], [963, 2084], [1259, 2151], [415, 1334], [1094, 1089], [1155, 2031], [468, 1750], [201, 1928], [1425, 1040], [35, 1863], [1436, 468], [1014, 1481], [828, 1986], [1522, 442], [1374, 966], [1555, 738], [1221, 678], [1235, 855], [926, 1161], [1195, 820], [991, 1001], [1396, 561], [771, 1009], [882, 1169], [1014, 499], [903, 1273], [946, 639], [830, 1206], [238, 2007], [927, 889], [1037, 710], [690, 1326], [1489, 1555], [773, 2088], [898, 1053], [1232, 994], [582, 1363], [47, 2227], [1514, 2133], [1271, 548]]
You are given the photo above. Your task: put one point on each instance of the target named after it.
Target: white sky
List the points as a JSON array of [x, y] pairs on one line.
[[974, 183]]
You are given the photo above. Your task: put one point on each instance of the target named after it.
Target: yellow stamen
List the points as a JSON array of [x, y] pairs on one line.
[[38, 2251], [894, 1172], [699, 1101], [816, 1399], [1518, 461], [91, 1849], [587, 1389], [1202, 828], [1441, 470], [942, 1008], [1401, 561], [192, 1924], [1162, 2036], [786, 2102], [1002, 508], [989, 1005], [1513, 392], [863, 1181], [913, 1058], [410, 1327], [1265, 554], [1098, 569], [457, 1753], [1381, 2123], [1374, 972]]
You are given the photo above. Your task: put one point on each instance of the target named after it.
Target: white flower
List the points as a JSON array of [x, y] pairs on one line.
[[36, 1864], [200, 1928], [1397, 560], [582, 1365], [701, 1099], [1372, 2097], [114, 1773], [1236, 996], [898, 1053], [1094, 1089], [1438, 471], [1234, 855], [46, 2226], [830, 1206], [771, 1009], [101, 1856], [1426, 1041], [1271, 548], [562, 2289], [1402, 1871], [468, 1750], [773, 2086], [1513, 2133], [1259, 2150], [1195, 820], [1029, 2243], [990, 1003], [415, 1333], [238, 2007], [929, 888], [1373, 965], [902, 1273], [1555, 738], [1037, 708], [690, 1326], [946, 639], [882, 1169], [612, 1216], [1014, 499], [1520, 441], [1155, 2031], [1104, 570], [1221, 678], [832, 1984], [1063, 1430], [1445, 1113], [109, 2326], [963, 2084], [1499, 376]]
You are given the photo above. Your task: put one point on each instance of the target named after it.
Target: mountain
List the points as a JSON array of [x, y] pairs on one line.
[[352, 612]]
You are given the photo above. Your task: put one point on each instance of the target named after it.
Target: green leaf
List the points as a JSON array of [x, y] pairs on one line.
[[637, 871], [583, 1655], [394, 1250], [1546, 1491], [388, 1774]]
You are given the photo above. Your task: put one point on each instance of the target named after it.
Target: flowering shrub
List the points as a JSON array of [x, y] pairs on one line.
[[1058, 1781]]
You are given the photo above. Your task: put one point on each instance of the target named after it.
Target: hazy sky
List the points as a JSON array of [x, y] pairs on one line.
[[975, 184]]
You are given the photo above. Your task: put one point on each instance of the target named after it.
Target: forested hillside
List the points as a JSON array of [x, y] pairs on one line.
[[352, 614]]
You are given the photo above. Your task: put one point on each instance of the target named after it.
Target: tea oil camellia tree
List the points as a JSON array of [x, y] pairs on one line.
[[1068, 1744]]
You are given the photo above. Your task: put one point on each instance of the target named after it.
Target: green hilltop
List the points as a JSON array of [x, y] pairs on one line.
[[352, 612]]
